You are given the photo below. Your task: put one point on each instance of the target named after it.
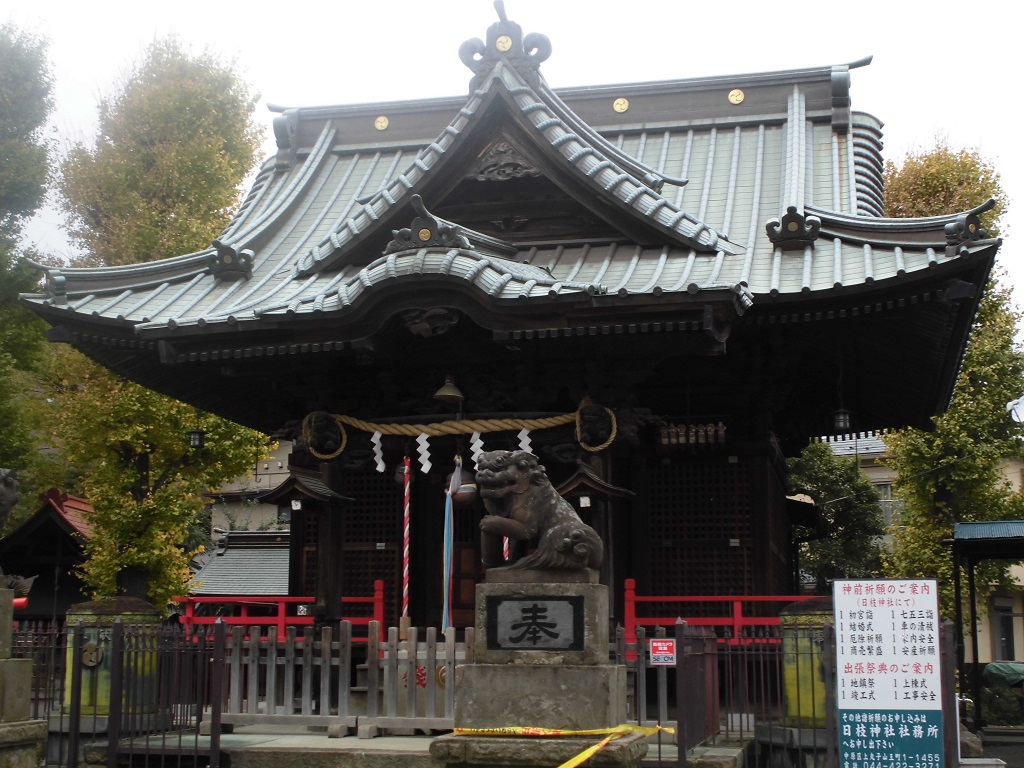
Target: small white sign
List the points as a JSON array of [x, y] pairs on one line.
[[888, 681]]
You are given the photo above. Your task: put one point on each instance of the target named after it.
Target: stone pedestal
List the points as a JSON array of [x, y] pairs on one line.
[[566, 697], [541, 660], [22, 740]]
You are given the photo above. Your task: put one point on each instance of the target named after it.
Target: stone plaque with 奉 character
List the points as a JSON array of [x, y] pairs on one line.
[[535, 623]]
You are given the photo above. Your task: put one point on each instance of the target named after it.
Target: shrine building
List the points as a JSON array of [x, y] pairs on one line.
[[661, 289]]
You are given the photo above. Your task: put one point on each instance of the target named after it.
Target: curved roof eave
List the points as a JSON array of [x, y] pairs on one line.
[[134, 276], [835, 265], [874, 226], [493, 279]]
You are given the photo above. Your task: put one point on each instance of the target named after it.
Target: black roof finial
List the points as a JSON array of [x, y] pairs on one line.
[[505, 42]]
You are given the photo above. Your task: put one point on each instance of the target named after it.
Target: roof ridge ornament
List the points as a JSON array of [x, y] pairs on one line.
[[229, 263], [794, 230], [505, 42], [430, 231], [427, 230], [965, 228]]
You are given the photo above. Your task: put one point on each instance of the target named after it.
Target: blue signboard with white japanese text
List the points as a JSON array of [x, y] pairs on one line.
[[888, 681]]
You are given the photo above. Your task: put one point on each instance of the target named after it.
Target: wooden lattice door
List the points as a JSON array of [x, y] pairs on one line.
[[698, 534], [373, 537]]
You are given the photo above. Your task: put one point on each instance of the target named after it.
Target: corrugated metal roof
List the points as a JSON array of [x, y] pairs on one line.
[[989, 529], [244, 567], [856, 444]]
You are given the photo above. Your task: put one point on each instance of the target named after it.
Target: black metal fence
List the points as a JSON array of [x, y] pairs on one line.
[[124, 694], [769, 694], [118, 693]]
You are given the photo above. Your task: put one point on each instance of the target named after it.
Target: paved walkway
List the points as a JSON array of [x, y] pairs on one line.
[[285, 748]]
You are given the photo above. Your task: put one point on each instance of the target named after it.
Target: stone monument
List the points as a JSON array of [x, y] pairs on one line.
[[541, 658], [22, 740]]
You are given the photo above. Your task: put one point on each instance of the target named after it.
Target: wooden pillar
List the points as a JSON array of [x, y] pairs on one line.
[[979, 716], [329, 572], [958, 608]]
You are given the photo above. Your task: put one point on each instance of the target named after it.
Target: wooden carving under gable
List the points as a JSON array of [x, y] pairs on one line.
[[502, 162]]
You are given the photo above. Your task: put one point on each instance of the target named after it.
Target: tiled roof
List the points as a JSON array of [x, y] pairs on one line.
[[246, 564], [740, 209], [591, 156], [301, 483], [73, 509], [301, 220]]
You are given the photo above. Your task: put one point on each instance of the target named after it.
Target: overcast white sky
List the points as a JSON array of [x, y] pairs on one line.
[[940, 68]]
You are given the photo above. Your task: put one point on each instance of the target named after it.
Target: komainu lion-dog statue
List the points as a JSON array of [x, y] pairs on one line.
[[522, 504]]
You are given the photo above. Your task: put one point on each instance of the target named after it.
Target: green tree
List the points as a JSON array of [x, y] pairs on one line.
[[25, 103], [144, 481], [940, 180], [850, 547], [175, 142], [26, 99], [953, 473]]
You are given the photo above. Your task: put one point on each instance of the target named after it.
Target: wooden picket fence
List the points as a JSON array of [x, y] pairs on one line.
[[313, 679]]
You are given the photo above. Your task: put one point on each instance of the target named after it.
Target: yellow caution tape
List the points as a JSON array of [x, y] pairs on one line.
[[589, 752], [608, 733]]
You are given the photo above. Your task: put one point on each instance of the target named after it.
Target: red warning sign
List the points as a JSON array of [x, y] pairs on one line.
[[663, 651]]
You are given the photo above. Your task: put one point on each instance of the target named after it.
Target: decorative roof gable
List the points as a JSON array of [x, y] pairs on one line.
[[514, 108]]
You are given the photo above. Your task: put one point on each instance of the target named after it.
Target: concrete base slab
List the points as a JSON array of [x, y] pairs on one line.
[[495, 752]]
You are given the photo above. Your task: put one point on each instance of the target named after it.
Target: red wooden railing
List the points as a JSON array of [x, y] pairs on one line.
[[732, 621], [280, 618]]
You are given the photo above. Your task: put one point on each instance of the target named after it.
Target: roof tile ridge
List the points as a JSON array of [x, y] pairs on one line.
[[257, 192], [320, 152], [185, 262], [955, 234], [251, 298], [390, 195], [61, 282], [175, 269], [409, 262], [647, 174], [660, 211], [890, 222]]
